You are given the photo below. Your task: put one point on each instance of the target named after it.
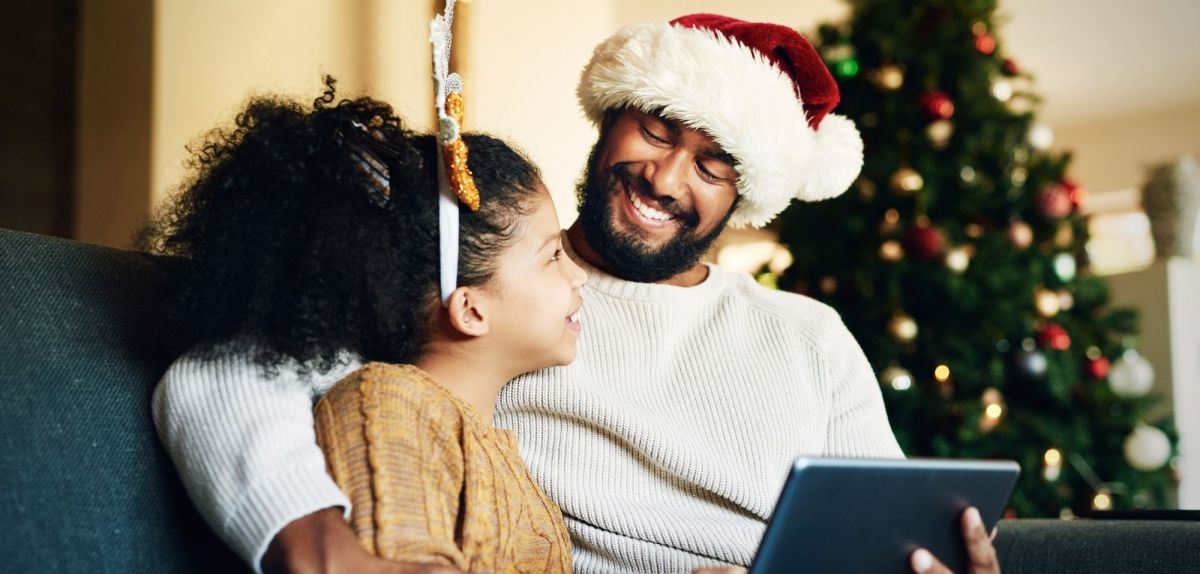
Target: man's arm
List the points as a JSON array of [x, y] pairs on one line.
[[244, 447], [858, 423]]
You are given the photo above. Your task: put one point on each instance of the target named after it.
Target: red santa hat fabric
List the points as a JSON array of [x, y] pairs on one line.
[[760, 90]]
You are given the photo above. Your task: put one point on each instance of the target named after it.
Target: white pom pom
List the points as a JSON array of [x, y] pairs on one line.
[[836, 162]]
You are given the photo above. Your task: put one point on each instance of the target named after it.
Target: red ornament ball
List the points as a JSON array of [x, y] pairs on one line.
[[1076, 192], [1054, 336], [1055, 202], [1098, 368], [924, 241], [936, 104], [1010, 67], [985, 43]]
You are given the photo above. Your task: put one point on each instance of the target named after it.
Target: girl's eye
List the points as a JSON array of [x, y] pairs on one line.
[[558, 253], [646, 133]]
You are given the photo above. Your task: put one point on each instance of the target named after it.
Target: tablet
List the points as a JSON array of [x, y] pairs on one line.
[[860, 515]]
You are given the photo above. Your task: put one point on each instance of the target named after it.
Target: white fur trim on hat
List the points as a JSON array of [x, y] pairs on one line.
[[717, 85]]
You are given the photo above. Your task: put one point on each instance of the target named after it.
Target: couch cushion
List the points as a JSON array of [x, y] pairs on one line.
[[1065, 546], [86, 486]]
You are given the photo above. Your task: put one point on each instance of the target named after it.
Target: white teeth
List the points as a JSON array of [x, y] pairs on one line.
[[574, 318], [647, 211]]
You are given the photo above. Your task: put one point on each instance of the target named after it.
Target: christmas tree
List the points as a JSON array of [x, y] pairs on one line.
[[958, 262]]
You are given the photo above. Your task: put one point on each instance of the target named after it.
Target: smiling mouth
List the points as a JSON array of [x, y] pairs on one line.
[[645, 210], [573, 322]]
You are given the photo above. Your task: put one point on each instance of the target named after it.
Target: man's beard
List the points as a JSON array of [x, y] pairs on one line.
[[627, 254]]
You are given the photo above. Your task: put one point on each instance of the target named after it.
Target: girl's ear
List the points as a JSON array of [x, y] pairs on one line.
[[467, 312]]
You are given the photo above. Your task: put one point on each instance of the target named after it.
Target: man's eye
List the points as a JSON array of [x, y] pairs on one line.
[[708, 174], [650, 136]]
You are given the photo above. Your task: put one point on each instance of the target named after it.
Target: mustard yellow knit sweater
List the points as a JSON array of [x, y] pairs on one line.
[[428, 481]]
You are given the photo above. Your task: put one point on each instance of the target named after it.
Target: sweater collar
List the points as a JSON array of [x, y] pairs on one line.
[[632, 290]]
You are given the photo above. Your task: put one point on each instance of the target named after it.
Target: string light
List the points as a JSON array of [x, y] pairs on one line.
[[993, 409], [1053, 464], [1102, 500], [942, 373]]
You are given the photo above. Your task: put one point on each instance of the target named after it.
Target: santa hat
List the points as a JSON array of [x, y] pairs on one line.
[[760, 90]]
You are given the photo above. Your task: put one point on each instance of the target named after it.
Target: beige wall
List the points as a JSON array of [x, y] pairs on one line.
[[1112, 155], [524, 66], [212, 55]]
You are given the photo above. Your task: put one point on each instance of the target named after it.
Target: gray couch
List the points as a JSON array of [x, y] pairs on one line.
[[87, 488]]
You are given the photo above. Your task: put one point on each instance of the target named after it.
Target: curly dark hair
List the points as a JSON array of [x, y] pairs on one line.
[[282, 245]]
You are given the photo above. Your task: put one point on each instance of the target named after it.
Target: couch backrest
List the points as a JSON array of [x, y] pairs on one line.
[[84, 484]]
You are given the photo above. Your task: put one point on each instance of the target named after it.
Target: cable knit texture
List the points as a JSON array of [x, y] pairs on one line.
[[666, 442], [430, 482]]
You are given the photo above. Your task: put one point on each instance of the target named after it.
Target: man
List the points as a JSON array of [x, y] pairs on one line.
[[667, 441]]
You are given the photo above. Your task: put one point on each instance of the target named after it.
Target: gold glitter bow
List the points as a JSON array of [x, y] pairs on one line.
[[454, 155]]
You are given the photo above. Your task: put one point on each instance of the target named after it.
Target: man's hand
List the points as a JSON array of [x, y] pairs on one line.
[[979, 548], [323, 543]]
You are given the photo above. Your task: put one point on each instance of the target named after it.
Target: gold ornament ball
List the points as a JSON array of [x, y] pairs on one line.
[[1047, 302], [906, 180], [891, 250], [939, 133], [1020, 235], [903, 328], [889, 77]]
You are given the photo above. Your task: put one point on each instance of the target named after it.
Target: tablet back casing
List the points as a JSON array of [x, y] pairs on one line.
[[859, 515]]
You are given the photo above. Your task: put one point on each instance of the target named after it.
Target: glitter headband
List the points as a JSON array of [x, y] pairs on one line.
[[455, 182]]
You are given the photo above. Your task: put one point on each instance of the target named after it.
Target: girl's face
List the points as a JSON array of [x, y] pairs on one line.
[[536, 317]]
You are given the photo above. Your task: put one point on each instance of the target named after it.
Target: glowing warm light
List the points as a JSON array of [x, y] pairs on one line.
[[941, 373], [993, 411], [1053, 468], [1102, 501]]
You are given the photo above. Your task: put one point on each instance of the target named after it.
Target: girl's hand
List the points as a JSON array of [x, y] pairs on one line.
[[979, 548]]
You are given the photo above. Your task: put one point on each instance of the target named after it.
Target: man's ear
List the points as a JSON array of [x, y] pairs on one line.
[[467, 312]]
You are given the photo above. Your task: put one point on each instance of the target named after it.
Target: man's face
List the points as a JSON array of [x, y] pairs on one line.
[[655, 196]]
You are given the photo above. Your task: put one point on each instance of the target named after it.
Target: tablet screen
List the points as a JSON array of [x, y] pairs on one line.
[[860, 515]]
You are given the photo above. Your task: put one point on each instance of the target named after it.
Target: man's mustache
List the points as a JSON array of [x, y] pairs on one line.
[[623, 173]]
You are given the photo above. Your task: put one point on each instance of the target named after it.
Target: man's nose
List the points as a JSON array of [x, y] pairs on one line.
[[668, 174]]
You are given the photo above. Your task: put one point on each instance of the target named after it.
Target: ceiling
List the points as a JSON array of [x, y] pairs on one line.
[[1102, 59], [1092, 60]]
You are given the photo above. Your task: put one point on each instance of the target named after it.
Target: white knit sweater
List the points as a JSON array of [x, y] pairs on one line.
[[666, 442]]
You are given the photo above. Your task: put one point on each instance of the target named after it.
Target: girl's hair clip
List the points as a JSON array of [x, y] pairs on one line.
[[359, 141]]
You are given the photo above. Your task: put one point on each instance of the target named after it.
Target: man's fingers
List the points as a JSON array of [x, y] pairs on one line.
[[923, 562], [979, 544]]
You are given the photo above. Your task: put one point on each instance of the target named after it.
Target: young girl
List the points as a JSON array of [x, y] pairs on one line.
[[311, 238]]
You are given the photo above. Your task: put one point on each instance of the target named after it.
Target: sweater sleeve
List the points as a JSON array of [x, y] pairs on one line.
[[858, 422], [245, 447]]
